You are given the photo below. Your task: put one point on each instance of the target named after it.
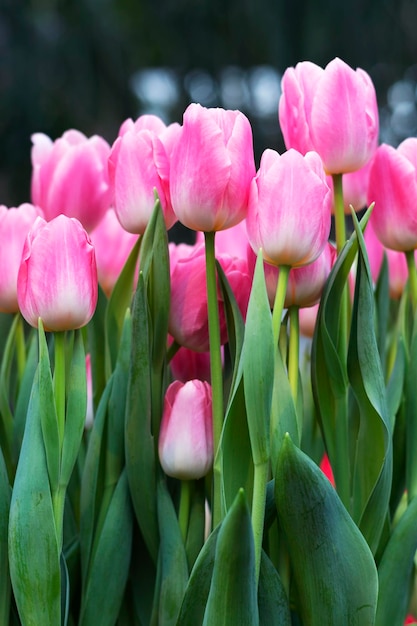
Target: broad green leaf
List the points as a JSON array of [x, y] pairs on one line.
[[233, 591], [410, 413], [109, 569], [334, 570], [33, 544], [274, 608], [373, 460], [172, 559], [5, 495], [139, 439], [23, 397], [258, 366], [395, 570]]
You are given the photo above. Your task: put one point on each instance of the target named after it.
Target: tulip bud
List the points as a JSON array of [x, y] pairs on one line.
[[15, 224], [212, 165], [57, 279], [70, 176], [186, 437]]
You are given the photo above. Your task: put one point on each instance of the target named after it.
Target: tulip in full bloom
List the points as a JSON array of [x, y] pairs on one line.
[[70, 176], [212, 165], [185, 439], [15, 224], [57, 279], [139, 165], [188, 318], [393, 188], [289, 212], [332, 111], [112, 245]]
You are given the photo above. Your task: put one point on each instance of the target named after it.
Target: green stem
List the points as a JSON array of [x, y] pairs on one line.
[[258, 510], [215, 365], [184, 508], [282, 283], [294, 351], [412, 278], [59, 383], [339, 211]]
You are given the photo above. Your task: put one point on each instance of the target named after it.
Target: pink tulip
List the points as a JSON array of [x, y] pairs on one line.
[[305, 284], [332, 111], [15, 224], [393, 188], [289, 212], [307, 319], [138, 165], [188, 321], [212, 164], [57, 279], [112, 245], [188, 364], [70, 176], [185, 439], [397, 263]]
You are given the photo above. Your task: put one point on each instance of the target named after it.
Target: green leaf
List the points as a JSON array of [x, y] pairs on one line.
[[334, 570], [258, 366], [233, 591], [109, 568], [395, 570], [33, 544], [5, 495], [373, 462], [410, 413], [172, 559], [274, 608]]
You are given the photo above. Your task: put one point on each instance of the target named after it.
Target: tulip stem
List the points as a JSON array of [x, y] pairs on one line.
[[258, 510], [184, 508], [412, 278], [339, 211], [294, 351], [215, 364], [279, 301], [59, 383]]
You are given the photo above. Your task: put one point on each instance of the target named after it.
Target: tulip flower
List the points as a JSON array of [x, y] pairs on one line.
[[139, 165], [332, 111], [57, 278], [112, 245], [393, 188], [289, 209], [15, 224], [185, 439], [188, 319], [70, 176], [212, 165], [188, 364], [305, 284]]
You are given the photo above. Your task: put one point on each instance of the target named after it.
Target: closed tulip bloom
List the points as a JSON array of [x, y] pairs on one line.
[[393, 188], [112, 245], [188, 318], [15, 224], [70, 176], [212, 165], [185, 438], [332, 111], [289, 214], [138, 165], [57, 279]]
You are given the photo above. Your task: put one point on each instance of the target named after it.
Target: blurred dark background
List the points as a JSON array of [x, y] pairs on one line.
[[90, 64]]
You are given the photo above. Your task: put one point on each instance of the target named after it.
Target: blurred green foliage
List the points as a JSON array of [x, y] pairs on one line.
[[69, 63]]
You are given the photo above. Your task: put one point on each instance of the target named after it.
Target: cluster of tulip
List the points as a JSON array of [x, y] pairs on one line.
[[166, 438]]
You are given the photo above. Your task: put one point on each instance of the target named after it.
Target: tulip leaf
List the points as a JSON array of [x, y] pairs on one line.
[[232, 597], [173, 575], [139, 439], [25, 388], [334, 570], [33, 544], [395, 570], [258, 365], [110, 562], [373, 451], [5, 495], [76, 409], [274, 608], [410, 413]]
